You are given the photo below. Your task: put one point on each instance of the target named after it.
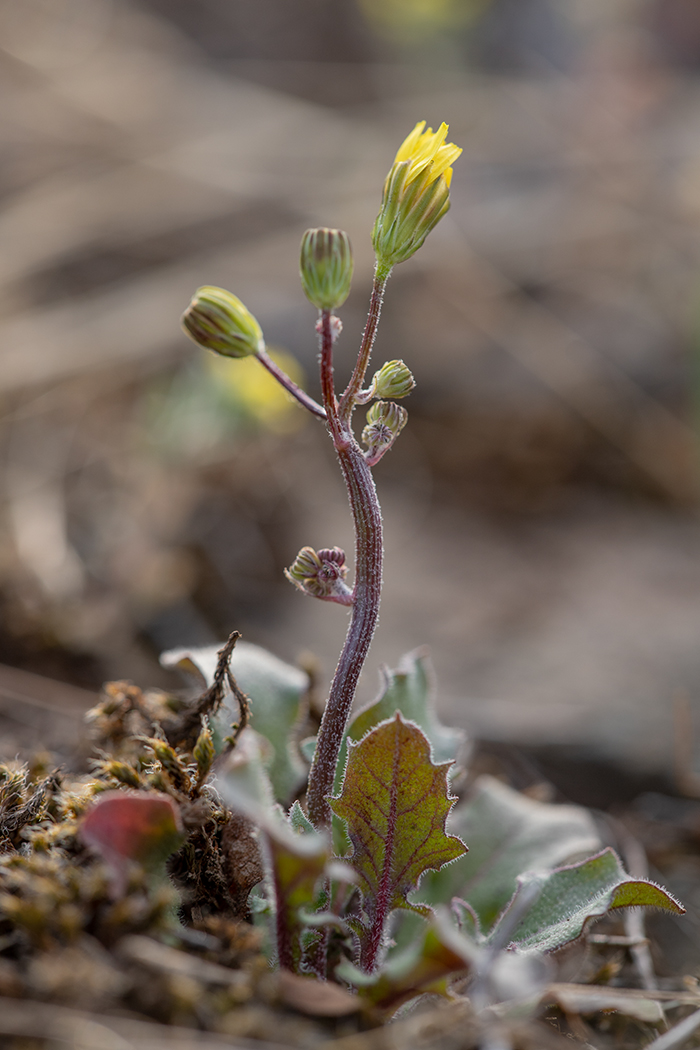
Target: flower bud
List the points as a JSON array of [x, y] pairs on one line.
[[326, 265], [393, 379], [218, 321], [321, 574], [385, 421], [416, 195]]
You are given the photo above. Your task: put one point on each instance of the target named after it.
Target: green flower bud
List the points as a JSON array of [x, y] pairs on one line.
[[218, 321], [385, 421], [416, 195], [326, 265], [392, 380], [321, 574]]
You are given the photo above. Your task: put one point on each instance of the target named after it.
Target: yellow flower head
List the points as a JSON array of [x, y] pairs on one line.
[[416, 194], [428, 148]]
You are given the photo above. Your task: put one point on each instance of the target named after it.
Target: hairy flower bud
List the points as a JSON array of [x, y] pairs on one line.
[[321, 574], [416, 194], [393, 379], [219, 321], [326, 265], [385, 421]]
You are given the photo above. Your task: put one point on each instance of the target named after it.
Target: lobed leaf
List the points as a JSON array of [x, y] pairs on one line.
[[572, 897], [410, 689], [395, 803], [277, 691], [508, 834]]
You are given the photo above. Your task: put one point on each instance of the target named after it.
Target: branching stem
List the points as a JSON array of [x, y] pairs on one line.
[[368, 567], [289, 385]]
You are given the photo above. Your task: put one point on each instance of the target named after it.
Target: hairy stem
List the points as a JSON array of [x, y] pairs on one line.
[[289, 385], [367, 520], [347, 401]]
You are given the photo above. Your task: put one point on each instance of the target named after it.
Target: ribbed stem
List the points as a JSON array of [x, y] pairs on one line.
[[366, 593]]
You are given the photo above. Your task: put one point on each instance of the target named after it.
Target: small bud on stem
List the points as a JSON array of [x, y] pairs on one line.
[[321, 574], [385, 421], [393, 379]]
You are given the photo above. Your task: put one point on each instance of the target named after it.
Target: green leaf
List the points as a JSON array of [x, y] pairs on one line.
[[428, 964], [295, 859], [573, 896], [299, 821], [410, 689], [395, 802], [277, 692], [298, 864], [508, 834]]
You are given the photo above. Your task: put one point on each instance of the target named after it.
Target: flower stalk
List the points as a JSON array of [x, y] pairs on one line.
[[415, 197], [369, 551]]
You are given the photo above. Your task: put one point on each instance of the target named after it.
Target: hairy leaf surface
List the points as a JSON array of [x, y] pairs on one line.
[[575, 895], [395, 802], [429, 964], [508, 834]]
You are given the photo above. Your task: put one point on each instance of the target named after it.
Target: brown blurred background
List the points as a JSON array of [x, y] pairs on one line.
[[541, 507]]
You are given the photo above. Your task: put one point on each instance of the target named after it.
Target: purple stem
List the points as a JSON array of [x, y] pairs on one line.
[[347, 401], [289, 385], [367, 519]]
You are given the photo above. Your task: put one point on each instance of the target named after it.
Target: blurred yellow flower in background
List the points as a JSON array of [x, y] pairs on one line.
[[250, 389], [411, 20]]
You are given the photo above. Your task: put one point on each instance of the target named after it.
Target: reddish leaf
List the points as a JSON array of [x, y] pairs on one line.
[[125, 828], [395, 802]]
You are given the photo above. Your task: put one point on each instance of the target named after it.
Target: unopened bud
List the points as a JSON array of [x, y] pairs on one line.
[[326, 265], [321, 574], [393, 379], [218, 320], [385, 421]]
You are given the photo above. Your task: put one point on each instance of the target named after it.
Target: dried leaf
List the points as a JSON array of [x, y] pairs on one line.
[[277, 693], [593, 999], [317, 998]]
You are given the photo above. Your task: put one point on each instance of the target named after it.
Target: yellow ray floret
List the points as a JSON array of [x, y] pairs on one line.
[[428, 149]]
